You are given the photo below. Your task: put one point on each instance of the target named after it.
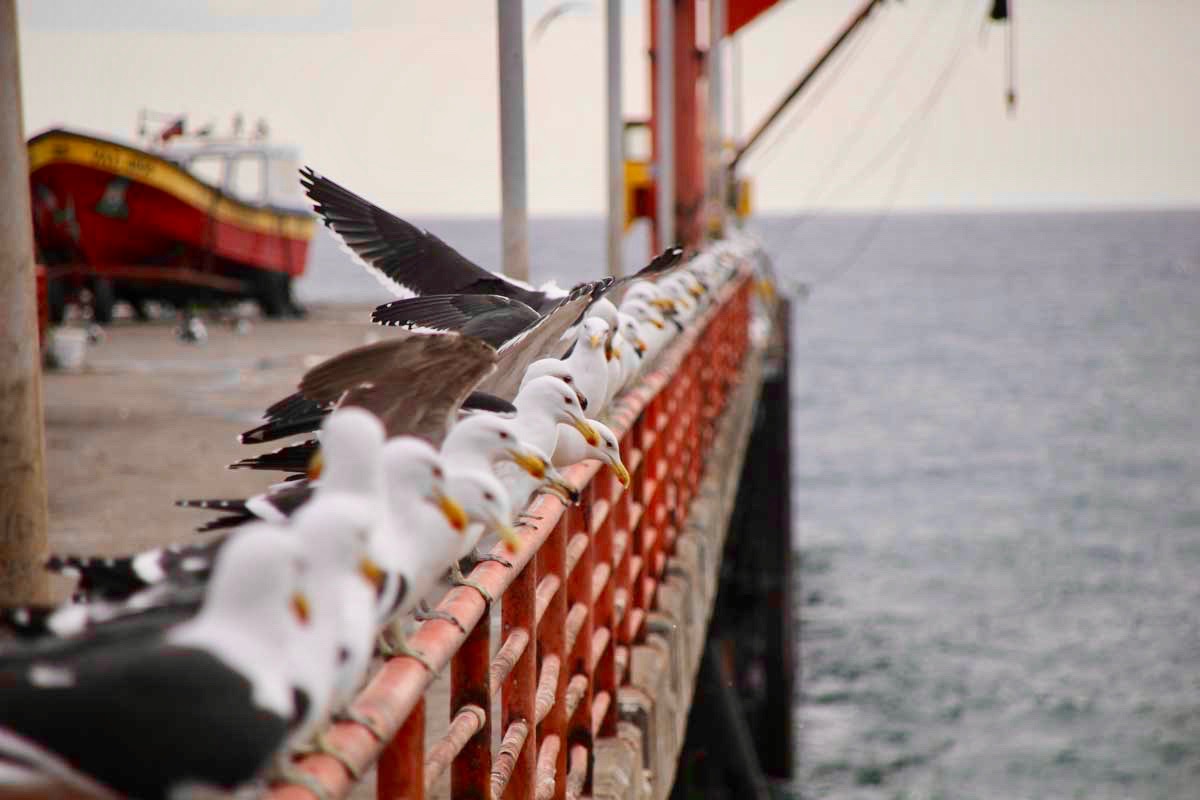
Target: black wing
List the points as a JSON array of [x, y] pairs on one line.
[[491, 317], [294, 458], [408, 258], [663, 263]]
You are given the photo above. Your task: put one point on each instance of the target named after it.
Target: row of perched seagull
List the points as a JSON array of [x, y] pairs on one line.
[[205, 664]]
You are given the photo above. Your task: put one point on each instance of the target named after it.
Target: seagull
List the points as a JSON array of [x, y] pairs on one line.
[[542, 404], [634, 352], [348, 462], [409, 260], [334, 652], [223, 666], [429, 528], [482, 441], [415, 383], [572, 448], [587, 364]]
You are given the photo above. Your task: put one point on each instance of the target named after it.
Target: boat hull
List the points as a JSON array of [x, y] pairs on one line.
[[110, 210]]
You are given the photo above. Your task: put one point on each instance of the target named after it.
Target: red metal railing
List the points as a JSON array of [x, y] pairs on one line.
[[572, 606]]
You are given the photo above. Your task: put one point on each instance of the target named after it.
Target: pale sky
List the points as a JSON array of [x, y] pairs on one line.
[[398, 100]]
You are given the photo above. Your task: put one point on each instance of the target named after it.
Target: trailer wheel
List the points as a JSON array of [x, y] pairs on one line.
[[294, 309], [103, 299], [271, 294]]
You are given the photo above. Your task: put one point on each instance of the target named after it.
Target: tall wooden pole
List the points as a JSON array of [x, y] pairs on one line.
[[22, 471], [514, 209]]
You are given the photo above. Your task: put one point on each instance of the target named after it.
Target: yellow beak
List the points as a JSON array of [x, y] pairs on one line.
[[641, 346], [508, 535], [657, 324], [697, 291], [372, 572], [315, 465], [300, 607], [596, 341], [533, 464], [619, 470], [663, 304], [453, 512], [589, 433]]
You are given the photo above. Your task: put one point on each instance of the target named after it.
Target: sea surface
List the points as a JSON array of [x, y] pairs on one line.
[[996, 488]]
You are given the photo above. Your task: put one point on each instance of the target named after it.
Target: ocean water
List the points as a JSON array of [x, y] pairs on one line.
[[996, 489]]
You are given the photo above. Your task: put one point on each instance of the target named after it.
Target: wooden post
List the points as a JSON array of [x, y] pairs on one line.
[[22, 472]]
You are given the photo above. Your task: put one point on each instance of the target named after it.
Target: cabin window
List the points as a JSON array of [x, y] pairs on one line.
[[283, 184], [247, 179], [210, 169]]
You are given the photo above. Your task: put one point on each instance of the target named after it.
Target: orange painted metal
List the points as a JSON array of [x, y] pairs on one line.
[[687, 130], [573, 603]]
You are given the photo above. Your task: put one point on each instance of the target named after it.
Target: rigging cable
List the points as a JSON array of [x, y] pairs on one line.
[[827, 82], [913, 128], [860, 126]]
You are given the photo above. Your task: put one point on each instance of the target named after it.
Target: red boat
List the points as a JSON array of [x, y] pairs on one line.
[[193, 220]]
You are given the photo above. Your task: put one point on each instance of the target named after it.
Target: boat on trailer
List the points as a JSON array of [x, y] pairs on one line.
[[180, 220]]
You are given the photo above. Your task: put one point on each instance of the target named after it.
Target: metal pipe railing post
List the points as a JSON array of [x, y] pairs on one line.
[[716, 109], [664, 119], [22, 460], [614, 138], [514, 209]]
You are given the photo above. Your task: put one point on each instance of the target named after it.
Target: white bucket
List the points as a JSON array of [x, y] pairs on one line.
[[68, 346]]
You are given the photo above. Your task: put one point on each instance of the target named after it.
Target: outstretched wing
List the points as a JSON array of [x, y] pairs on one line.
[[408, 260], [415, 384], [491, 317]]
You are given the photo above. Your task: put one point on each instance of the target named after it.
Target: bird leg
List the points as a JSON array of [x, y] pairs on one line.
[[395, 649], [423, 613], [456, 578], [284, 771], [323, 746], [468, 563], [357, 717], [556, 492]]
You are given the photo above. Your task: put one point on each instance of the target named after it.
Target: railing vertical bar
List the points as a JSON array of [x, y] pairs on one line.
[[579, 592], [551, 643], [470, 773], [400, 771], [519, 695], [602, 545]]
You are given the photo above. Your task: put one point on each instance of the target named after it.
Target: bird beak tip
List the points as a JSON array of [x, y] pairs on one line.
[[316, 465]]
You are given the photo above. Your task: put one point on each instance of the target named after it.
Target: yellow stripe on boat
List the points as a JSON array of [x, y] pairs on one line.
[[62, 147]]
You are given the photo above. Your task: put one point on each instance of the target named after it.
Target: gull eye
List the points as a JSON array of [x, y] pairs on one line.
[[568, 379], [437, 473], [489, 497], [568, 400], [503, 434]]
